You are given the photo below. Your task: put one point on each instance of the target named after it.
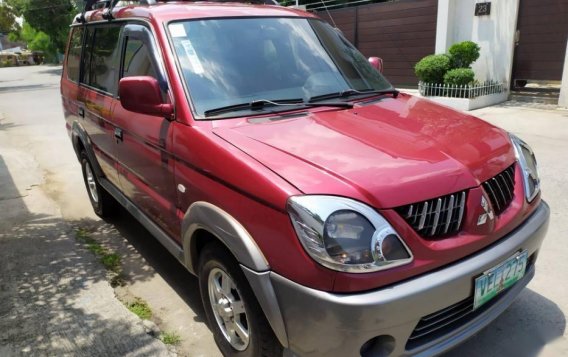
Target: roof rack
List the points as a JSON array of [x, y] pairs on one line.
[[109, 5]]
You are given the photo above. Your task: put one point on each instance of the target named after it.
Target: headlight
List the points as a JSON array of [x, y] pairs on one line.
[[527, 160], [346, 235]]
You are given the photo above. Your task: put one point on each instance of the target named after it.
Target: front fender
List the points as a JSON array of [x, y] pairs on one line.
[[203, 215]]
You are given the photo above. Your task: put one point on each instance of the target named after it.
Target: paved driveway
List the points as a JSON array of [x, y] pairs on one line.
[[52, 293]]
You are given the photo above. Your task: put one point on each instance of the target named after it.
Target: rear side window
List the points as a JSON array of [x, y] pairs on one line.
[[137, 60], [101, 68], [74, 54]]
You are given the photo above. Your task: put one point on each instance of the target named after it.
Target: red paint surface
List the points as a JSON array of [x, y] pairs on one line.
[[385, 153]]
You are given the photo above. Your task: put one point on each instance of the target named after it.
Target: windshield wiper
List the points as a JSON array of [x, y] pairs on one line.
[[353, 92], [262, 103]]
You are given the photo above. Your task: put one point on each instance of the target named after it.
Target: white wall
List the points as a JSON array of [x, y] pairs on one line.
[[495, 34], [563, 99]]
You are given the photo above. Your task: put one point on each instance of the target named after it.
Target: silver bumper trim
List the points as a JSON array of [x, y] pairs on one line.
[[320, 323]]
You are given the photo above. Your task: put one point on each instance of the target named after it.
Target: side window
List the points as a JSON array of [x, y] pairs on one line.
[[86, 60], [101, 72], [137, 60], [74, 54]]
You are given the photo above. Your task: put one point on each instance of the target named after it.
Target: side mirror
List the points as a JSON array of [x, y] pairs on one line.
[[377, 63], [142, 95]]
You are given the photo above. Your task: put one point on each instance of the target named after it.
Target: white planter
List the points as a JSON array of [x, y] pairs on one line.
[[466, 104], [465, 97]]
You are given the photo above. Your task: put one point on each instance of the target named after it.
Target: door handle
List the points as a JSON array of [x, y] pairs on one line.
[[81, 112], [118, 134]]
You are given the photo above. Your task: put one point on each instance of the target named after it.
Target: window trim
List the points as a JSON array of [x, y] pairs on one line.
[[146, 36]]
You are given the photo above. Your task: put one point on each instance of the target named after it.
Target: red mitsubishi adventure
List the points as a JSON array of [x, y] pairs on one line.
[[324, 212]]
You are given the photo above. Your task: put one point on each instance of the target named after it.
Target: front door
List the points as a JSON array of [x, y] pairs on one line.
[[146, 170]]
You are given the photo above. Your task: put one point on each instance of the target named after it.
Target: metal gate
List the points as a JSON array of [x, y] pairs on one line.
[[400, 32], [540, 47]]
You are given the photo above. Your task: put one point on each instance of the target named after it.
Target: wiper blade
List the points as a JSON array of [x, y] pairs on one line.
[[262, 103], [353, 92]]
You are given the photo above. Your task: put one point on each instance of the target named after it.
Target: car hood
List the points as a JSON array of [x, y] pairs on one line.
[[388, 153]]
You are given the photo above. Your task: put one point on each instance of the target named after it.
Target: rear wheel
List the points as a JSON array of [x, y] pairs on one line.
[[103, 203], [234, 315]]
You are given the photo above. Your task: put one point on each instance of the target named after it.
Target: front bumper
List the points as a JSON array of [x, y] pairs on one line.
[[320, 323]]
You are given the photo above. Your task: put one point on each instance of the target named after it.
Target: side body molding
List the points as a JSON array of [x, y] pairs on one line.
[[203, 215]]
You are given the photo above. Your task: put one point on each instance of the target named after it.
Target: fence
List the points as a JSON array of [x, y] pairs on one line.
[[463, 91]]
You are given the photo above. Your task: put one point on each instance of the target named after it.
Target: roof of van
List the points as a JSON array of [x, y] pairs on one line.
[[164, 12]]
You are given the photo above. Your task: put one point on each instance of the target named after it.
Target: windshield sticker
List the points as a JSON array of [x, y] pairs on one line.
[[192, 56], [177, 30]]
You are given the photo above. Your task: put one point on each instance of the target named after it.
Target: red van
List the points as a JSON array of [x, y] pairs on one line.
[[324, 212]]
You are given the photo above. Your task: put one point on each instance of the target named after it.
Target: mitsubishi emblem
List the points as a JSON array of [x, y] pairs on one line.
[[487, 214]]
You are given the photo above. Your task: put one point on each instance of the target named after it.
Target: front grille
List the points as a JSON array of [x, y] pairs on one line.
[[435, 218], [440, 323], [501, 189]]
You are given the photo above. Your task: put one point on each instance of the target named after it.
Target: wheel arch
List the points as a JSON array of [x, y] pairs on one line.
[[203, 223], [80, 140]]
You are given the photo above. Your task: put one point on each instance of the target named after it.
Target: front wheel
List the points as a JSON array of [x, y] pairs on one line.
[[234, 315]]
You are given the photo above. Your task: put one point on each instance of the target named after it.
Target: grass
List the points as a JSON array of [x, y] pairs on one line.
[[111, 261], [170, 338], [140, 308]]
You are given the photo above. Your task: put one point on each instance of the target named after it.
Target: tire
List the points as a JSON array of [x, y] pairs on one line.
[[240, 307], [104, 205]]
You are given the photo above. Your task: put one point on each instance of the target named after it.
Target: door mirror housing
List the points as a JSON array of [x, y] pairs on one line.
[[142, 95], [377, 63]]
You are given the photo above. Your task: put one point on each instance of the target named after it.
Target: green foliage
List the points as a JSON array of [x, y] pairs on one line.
[[459, 76], [170, 338], [111, 261], [50, 17], [140, 308], [35, 40], [463, 54], [8, 20], [431, 69]]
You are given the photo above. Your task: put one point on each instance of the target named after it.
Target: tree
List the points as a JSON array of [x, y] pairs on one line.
[[36, 41], [51, 17], [8, 20]]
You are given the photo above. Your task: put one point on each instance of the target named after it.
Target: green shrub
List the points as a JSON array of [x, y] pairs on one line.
[[459, 76], [431, 69], [463, 54]]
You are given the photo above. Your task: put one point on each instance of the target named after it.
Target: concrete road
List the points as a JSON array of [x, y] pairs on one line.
[[42, 198]]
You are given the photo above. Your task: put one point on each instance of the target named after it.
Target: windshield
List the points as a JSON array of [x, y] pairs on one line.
[[231, 61]]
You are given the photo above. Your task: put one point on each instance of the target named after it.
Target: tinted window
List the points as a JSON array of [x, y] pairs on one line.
[[137, 59], [101, 72], [74, 54], [86, 60]]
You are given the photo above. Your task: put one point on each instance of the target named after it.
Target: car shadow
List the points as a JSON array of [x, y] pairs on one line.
[[524, 329], [163, 263]]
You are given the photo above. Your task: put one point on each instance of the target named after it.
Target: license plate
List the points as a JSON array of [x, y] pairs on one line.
[[499, 278]]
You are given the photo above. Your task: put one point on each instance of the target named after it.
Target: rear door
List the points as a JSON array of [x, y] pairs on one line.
[[98, 93], [146, 167]]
